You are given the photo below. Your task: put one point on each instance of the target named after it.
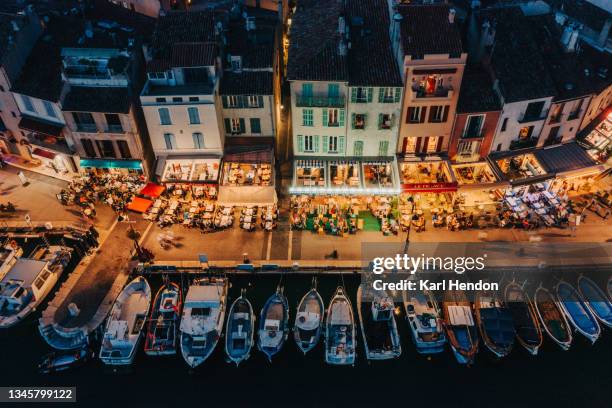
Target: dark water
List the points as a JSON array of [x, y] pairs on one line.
[[579, 377]]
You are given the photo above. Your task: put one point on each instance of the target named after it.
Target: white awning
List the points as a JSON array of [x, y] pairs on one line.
[[246, 195]]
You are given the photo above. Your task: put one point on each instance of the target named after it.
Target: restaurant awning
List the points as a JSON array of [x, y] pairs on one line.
[[43, 153], [111, 164], [139, 204], [564, 158], [246, 195], [32, 124], [483, 186], [152, 190]]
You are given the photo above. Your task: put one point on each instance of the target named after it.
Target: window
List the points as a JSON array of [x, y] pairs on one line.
[[194, 116], [237, 125], [27, 103], [255, 125], [468, 147], [359, 120], [389, 95], [160, 100], [533, 111], [416, 114], [309, 143], [198, 140], [385, 121], [113, 123], [504, 124], [157, 75], [106, 148], [307, 117], [410, 145], [88, 147], [49, 109], [170, 141], [164, 116], [358, 148], [383, 147], [553, 135], [332, 145], [499, 146], [432, 144], [177, 99], [236, 63], [435, 114], [333, 117], [253, 101], [194, 99], [525, 132], [124, 149], [333, 90], [361, 95], [473, 127], [307, 89], [84, 122]]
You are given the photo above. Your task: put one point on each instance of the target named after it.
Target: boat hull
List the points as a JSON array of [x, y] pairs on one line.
[[461, 333], [238, 357], [424, 300], [389, 326], [168, 348], [305, 339], [526, 323], [597, 301], [576, 309], [331, 343], [552, 317], [270, 350]]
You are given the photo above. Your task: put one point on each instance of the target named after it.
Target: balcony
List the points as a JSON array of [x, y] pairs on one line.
[[574, 115], [523, 143], [320, 101], [532, 117], [86, 127], [472, 135], [419, 92], [114, 129]]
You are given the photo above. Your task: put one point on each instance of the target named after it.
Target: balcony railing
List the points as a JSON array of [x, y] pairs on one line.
[[523, 143], [86, 127], [440, 92], [114, 129], [320, 101], [532, 117], [472, 135]]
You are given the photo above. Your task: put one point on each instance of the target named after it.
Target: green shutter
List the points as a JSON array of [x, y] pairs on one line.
[[224, 100], [352, 121], [358, 148], [383, 147], [353, 95], [341, 117], [300, 143], [260, 101], [370, 94], [380, 121], [228, 127], [381, 93], [341, 144], [242, 126], [324, 117], [398, 94], [325, 144], [365, 121], [316, 143]]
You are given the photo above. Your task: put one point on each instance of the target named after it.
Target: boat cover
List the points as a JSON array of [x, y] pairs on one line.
[[460, 316]]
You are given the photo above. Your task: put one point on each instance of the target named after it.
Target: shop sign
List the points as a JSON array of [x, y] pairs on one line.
[[429, 187]]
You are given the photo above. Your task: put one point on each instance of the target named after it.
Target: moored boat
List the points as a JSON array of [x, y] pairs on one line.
[[425, 321], [553, 319], [577, 311], [494, 323], [377, 321], [162, 329], [308, 320], [9, 253], [60, 361], [524, 318], [596, 299], [340, 340], [202, 318], [461, 332], [240, 330], [273, 324], [125, 322]]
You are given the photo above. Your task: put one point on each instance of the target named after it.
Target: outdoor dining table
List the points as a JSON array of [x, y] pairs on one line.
[[247, 218], [248, 211], [226, 210]]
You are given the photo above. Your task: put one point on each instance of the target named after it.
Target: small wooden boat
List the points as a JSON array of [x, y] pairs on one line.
[[60, 361], [425, 321], [340, 340], [596, 299], [461, 332], [377, 320], [309, 320], [273, 324], [202, 319], [577, 311], [524, 317], [494, 323], [240, 330], [162, 330], [552, 318], [125, 323]]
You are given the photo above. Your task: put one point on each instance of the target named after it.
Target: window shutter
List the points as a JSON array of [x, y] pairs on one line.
[[392, 120], [358, 148], [398, 94], [224, 101], [341, 144], [380, 121], [381, 94], [242, 126], [341, 117], [316, 143], [300, 143], [370, 94], [325, 144], [352, 121], [409, 114], [439, 146], [423, 113], [325, 117], [353, 95], [365, 120], [417, 147], [445, 113], [260, 102], [431, 113], [228, 127], [425, 144]]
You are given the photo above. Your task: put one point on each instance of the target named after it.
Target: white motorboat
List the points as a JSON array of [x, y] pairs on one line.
[[273, 324], [340, 336], [425, 321], [9, 254], [376, 309], [125, 322], [239, 331], [309, 320]]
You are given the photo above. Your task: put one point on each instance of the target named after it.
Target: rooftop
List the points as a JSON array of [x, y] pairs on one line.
[[425, 29], [314, 41], [255, 46], [247, 83], [565, 157], [582, 10], [97, 99], [8, 14], [370, 61], [477, 94]]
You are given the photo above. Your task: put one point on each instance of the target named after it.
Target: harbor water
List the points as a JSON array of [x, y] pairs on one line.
[[578, 377]]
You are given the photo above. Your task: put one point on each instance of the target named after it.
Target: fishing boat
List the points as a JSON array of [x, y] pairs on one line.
[[597, 300], [9, 253], [273, 324], [309, 320], [461, 332], [378, 327], [424, 319], [552, 318], [202, 320], [524, 317], [494, 323], [240, 330], [340, 339], [29, 281], [577, 311], [125, 322], [60, 361], [162, 329]]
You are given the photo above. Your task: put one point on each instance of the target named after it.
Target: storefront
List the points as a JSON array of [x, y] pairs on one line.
[[427, 183], [112, 166], [599, 140], [196, 174], [477, 184], [248, 179]]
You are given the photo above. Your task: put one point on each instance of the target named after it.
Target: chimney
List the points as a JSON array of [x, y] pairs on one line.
[[15, 25], [341, 25], [451, 15], [604, 33]]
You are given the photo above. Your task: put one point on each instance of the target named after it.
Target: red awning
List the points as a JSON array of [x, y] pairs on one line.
[[139, 204], [152, 190], [40, 126], [429, 187], [43, 153]]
